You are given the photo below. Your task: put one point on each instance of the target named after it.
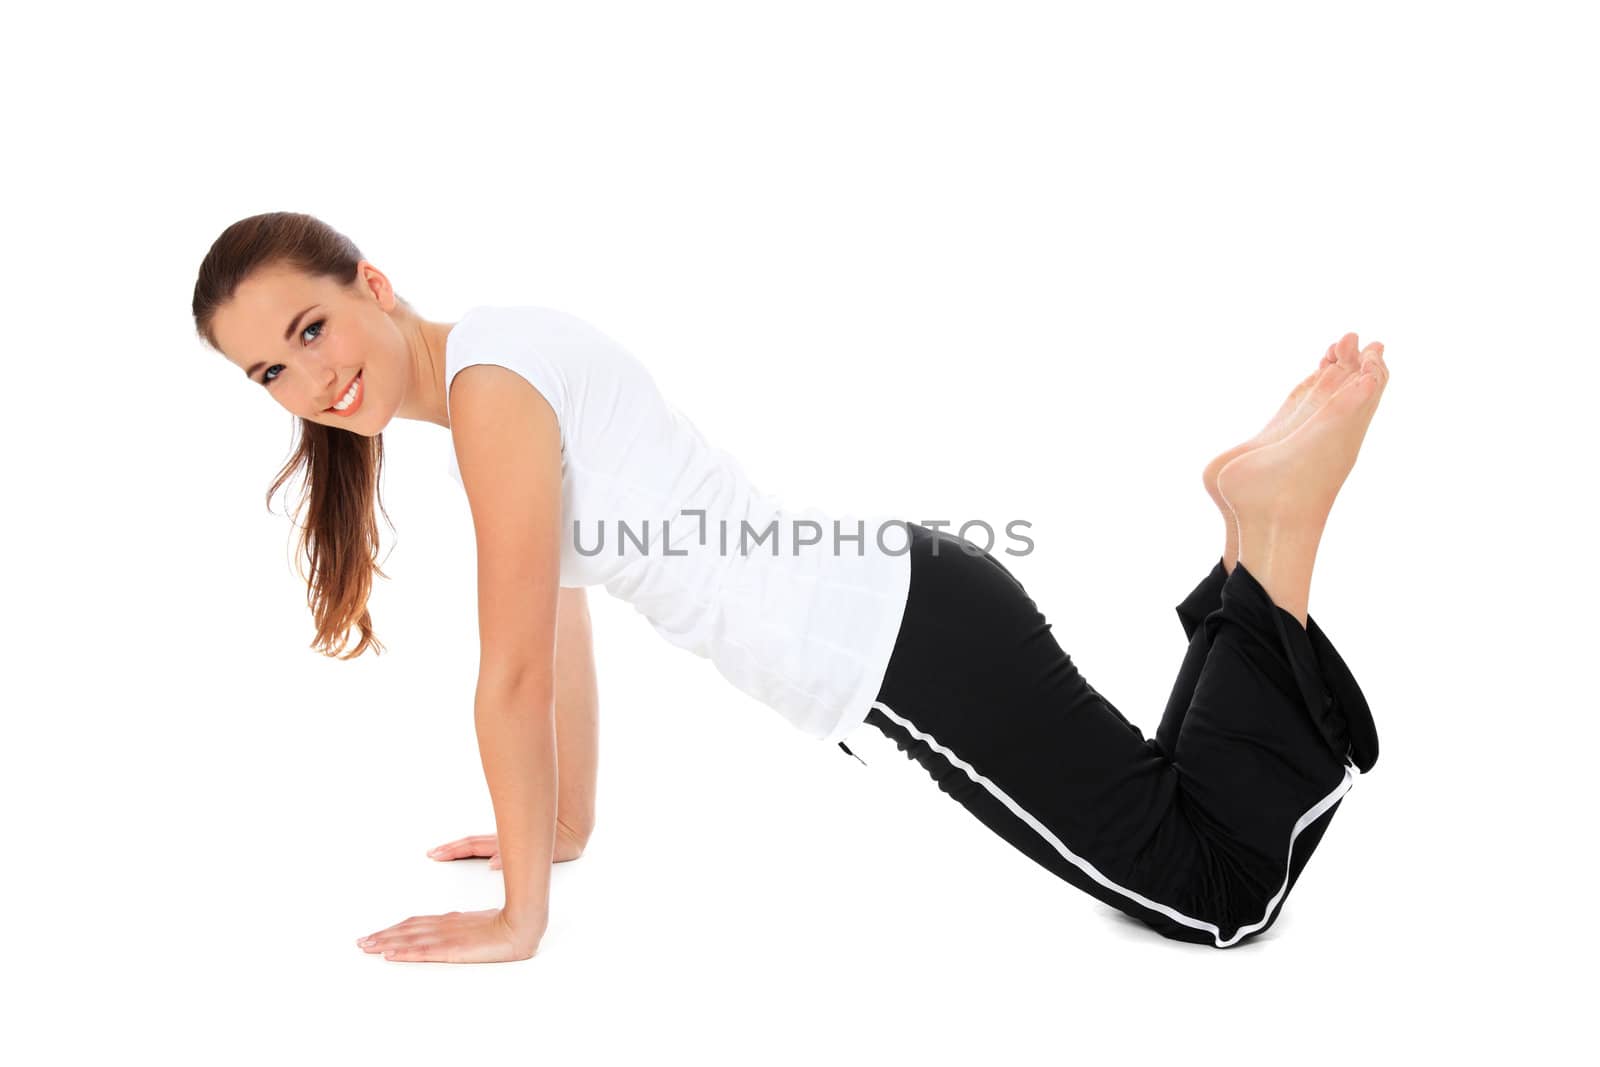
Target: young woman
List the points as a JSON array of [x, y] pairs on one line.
[[578, 472]]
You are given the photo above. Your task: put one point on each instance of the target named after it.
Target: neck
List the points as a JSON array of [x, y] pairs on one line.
[[425, 399]]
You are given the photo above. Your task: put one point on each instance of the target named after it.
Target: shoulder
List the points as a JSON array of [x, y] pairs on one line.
[[499, 420], [494, 371]]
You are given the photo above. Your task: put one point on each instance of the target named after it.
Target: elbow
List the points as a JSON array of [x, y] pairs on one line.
[[571, 838], [520, 683]]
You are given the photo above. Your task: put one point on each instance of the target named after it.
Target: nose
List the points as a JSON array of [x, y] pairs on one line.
[[327, 391]]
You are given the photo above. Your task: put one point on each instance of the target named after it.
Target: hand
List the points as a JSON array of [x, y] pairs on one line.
[[480, 845], [474, 847], [458, 937]]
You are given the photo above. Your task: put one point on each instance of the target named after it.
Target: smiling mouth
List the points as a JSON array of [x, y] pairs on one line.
[[351, 400]]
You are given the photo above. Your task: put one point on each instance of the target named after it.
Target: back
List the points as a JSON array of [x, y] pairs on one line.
[[670, 523]]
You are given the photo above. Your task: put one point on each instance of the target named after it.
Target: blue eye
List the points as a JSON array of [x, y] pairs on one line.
[[267, 377]]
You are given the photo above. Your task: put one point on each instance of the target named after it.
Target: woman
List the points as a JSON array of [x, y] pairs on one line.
[[578, 472]]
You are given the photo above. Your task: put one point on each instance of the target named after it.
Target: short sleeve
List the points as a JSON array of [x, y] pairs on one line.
[[505, 339]]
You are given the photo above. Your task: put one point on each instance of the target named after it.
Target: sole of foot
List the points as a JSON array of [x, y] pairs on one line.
[[1341, 362], [1292, 482]]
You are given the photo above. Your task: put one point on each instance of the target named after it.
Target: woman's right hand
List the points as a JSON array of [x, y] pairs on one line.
[[481, 845]]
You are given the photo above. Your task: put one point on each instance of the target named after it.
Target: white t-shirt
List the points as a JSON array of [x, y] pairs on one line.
[[797, 608]]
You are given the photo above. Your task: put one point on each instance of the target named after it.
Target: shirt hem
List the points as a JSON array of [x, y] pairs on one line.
[[860, 704]]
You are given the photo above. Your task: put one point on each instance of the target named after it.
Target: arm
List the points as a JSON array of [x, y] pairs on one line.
[[507, 445], [577, 741], [577, 724]]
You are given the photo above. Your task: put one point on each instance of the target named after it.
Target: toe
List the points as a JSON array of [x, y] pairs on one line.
[[1356, 391], [1333, 373], [1373, 377], [1372, 359]]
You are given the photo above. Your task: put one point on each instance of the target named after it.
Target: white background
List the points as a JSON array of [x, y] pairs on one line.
[[951, 261]]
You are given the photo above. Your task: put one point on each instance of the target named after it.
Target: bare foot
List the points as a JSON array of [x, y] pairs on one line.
[[1280, 493], [1339, 363]]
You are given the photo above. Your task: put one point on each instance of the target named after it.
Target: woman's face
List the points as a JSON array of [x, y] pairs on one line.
[[308, 340]]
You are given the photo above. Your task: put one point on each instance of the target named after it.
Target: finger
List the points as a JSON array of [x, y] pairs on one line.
[[376, 942], [420, 945], [494, 862], [424, 952], [409, 938], [476, 845], [405, 926], [453, 849], [398, 937]]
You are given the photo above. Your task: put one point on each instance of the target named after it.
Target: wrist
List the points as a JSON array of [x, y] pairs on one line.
[[528, 917]]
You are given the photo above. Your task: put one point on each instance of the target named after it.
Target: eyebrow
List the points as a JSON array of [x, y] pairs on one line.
[[250, 372]]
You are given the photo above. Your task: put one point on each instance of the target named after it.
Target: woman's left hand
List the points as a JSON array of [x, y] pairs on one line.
[[457, 937]]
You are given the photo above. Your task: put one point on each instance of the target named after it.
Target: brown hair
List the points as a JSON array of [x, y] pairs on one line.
[[342, 469]]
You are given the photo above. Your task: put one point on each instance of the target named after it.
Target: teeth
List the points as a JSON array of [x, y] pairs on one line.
[[349, 395]]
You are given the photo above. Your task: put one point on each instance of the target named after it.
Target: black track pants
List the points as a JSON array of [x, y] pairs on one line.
[[1200, 831]]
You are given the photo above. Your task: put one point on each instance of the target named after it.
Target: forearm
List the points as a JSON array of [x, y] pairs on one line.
[[517, 743], [577, 716]]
